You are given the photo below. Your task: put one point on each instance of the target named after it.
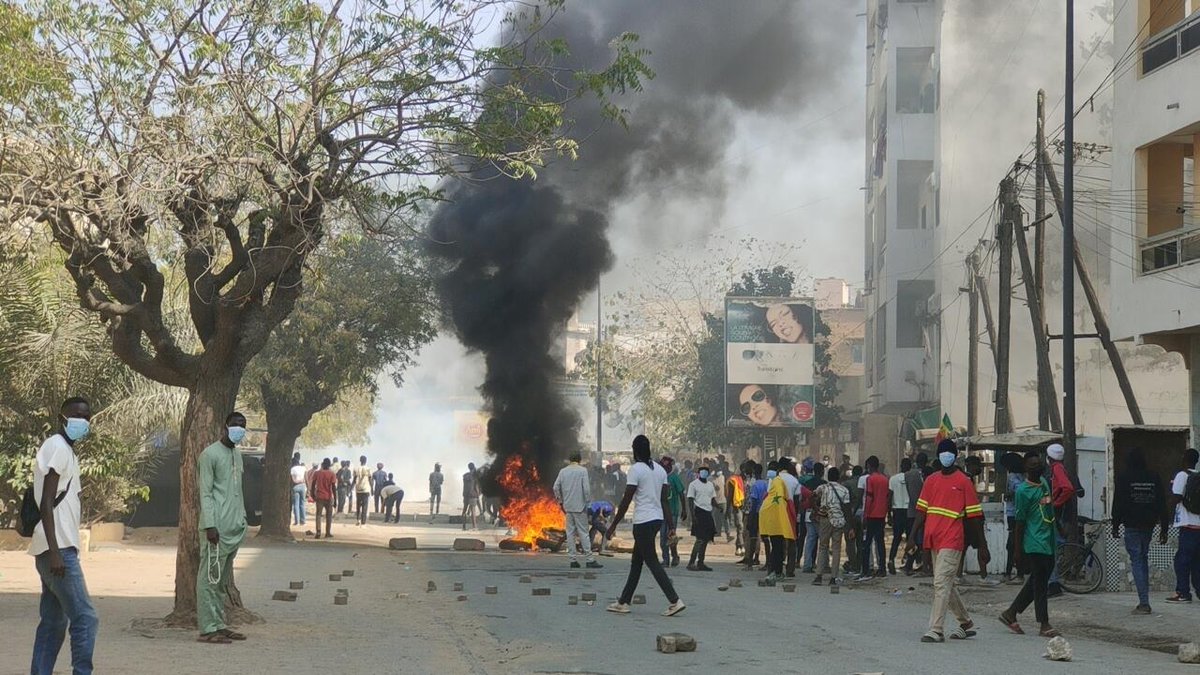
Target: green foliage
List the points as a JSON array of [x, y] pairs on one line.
[[50, 350]]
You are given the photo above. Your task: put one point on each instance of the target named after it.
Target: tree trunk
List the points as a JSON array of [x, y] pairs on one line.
[[210, 400], [284, 424]]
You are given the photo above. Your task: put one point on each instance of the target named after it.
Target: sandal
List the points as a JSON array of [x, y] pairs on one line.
[[215, 638], [1012, 625], [961, 633], [1049, 633], [232, 634], [932, 636]]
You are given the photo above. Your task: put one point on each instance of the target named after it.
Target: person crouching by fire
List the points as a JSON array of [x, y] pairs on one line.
[[647, 482]]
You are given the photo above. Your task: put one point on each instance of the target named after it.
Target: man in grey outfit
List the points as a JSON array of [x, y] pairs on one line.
[[573, 491]]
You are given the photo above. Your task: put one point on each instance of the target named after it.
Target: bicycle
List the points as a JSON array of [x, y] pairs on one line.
[[1080, 569]]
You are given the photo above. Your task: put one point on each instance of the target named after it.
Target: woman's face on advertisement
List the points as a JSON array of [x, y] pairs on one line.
[[757, 406], [783, 323]]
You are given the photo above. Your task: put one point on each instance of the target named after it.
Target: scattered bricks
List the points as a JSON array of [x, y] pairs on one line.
[[335, 577], [541, 591], [722, 587], [343, 591], [286, 596], [572, 600], [589, 575], [789, 588], [639, 599], [735, 583], [835, 589], [403, 543], [347, 573], [762, 583], [588, 597], [573, 575], [1189, 652], [430, 587], [491, 590], [296, 585], [341, 599], [669, 643], [462, 598], [458, 586], [463, 544], [526, 579]]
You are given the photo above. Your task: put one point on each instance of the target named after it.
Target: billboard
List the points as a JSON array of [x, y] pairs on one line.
[[769, 362]]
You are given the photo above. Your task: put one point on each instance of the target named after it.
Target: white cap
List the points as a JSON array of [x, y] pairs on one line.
[[1056, 452]]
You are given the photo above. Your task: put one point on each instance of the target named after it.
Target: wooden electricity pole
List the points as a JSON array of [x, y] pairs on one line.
[[1004, 238], [985, 302], [972, 345], [1039, 260], [1098, 316]]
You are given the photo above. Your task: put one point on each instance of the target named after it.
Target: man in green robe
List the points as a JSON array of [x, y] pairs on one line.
[[223, 524]]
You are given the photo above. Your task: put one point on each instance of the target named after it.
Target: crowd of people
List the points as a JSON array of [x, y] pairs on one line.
[[782, 516]]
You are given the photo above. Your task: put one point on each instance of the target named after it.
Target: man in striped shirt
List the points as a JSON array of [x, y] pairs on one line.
[[946, 509]]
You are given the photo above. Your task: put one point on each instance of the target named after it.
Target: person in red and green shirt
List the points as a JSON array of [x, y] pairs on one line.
[[875, 512], [1033, 545], [675, 492], [947, 512]]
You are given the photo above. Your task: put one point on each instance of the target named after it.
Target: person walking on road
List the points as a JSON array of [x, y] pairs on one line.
[[378, 480], [898, 491], [471, 493], [675, 492], [1185, 500], [1033, 547], [55, 546], [1063, 495], [832, 505], [777, 522], [701, 501], [1139, 503], [875, 513], [573, 490], [435, 491], [646, 488], [324, 490], [947, 507], [299, 492], [223, 524]]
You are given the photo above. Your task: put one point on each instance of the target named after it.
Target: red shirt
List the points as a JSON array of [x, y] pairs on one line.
[[875, 497], [1061, 487], [946, 500], [324, 485]]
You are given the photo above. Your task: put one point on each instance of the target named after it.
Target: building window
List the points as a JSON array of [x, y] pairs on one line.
[[913, 191], [856, 352], [869, 340], [881, 343], [916, 80], [911, 299]]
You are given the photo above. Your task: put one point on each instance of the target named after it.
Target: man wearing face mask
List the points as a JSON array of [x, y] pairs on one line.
[[55, 546], [947, 506], [701, 494], [223, 521]]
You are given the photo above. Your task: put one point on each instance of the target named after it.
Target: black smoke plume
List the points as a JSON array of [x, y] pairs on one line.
[[520, 257]]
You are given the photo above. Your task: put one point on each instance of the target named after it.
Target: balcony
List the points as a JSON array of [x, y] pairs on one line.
[[1171, 45]]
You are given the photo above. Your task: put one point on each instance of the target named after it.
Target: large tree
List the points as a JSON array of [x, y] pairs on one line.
[[226, 136], [366, 310]]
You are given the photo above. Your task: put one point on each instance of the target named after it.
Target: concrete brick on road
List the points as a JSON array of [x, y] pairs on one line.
[[466, 544], [403, 543], [286, 596]]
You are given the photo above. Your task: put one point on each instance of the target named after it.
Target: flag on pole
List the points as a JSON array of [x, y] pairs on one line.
[[945, 431]]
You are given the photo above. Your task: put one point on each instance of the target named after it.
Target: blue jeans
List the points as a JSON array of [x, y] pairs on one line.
[[810, 547], [65, 601], [1059, 540], [1137, 544], [1187, 562], [299, 492]]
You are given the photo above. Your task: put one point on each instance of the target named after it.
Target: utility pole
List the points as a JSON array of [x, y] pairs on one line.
[[1067, 211], [1047, 406], [1098, 315], [972, 345], [1004, 238], [599, 388], [985, 302], [1039, 256]]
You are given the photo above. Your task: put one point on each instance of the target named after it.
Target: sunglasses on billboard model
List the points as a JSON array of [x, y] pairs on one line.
[[756, 397]]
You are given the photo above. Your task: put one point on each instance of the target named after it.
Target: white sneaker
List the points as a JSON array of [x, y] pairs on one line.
[[675, 608], [618, 608]]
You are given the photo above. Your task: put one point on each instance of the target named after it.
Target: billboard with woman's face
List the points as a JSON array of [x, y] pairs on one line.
[[769, 362]]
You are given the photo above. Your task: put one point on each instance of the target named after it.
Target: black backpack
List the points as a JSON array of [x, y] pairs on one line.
[[1191, 492], [31, 512]]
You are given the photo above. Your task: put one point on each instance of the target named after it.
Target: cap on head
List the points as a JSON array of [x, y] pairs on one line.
[[1056, 452], [947, 445]]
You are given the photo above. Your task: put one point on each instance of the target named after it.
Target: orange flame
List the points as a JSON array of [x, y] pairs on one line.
[[530, 506]]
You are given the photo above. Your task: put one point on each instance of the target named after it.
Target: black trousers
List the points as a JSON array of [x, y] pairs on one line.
[[364, 501], [393, 503], [779, 546], [874, 535], [793, 548], [899, 530], [1040, 567], [645, 553]]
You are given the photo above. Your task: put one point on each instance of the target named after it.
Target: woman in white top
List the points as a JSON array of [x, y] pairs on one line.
[[299, 491], [647, 481]]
